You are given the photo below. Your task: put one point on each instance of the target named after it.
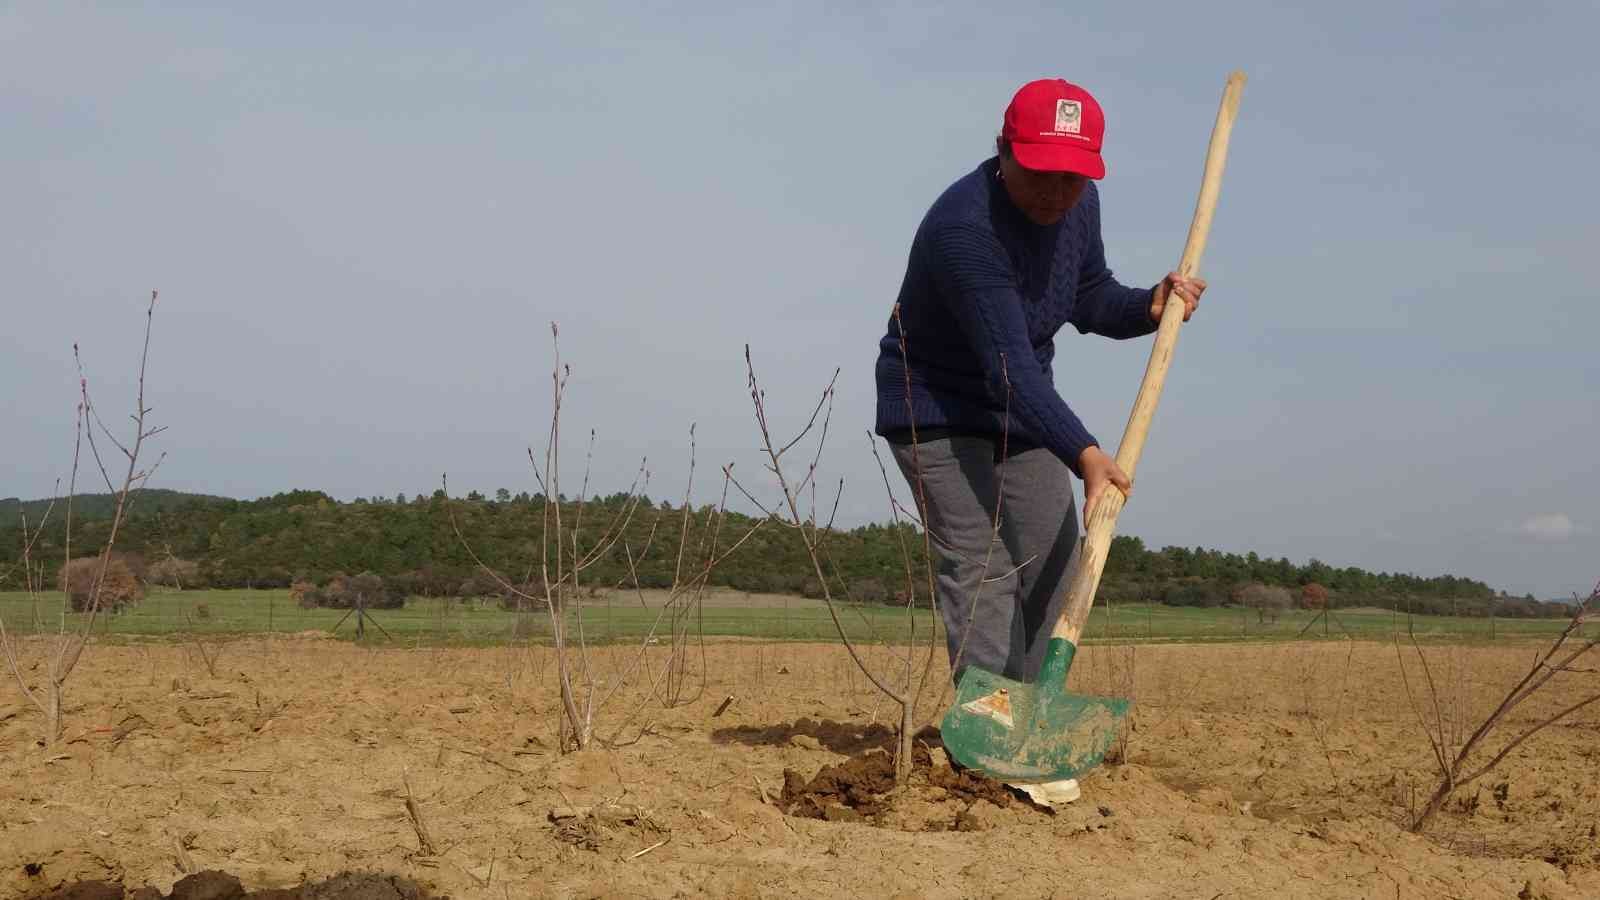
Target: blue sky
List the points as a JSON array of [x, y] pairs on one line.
[[363, 217]]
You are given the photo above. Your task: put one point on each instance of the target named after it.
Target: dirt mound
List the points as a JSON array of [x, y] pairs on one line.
[[847, 738], [863, 788], [214, 885], [847, 791]]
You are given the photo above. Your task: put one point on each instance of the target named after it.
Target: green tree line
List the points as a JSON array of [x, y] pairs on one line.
[[97, 506], [308, 536]]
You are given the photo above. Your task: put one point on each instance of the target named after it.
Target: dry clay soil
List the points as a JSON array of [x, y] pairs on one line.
[[1276, 770]]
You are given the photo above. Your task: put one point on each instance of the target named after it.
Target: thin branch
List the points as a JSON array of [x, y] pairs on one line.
[[1405, 681], [827, 396], [822, 439], [756, 397], [688, 491], [1525, 735], [748, 496]]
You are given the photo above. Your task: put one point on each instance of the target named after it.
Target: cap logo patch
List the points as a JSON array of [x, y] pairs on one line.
[[1069, 116]]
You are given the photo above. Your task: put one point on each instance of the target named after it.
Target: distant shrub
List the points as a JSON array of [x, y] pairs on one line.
[[176, 573], [869, 590], [305, 594], [1269, 601], [367, 590], [118, 587], [136, 563]]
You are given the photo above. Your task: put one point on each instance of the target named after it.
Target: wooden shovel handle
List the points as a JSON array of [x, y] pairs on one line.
[[1103, 518]]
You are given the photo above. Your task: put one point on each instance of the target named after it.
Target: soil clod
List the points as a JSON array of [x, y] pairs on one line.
[[216, 885], [863, 788]]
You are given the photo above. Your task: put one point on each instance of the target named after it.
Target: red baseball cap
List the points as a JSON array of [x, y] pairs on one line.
[[1055, 126]]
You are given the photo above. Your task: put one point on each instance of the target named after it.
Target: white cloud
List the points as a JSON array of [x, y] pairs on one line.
[[1554, 527]]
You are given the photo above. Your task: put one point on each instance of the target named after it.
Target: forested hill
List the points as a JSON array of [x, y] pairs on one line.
[[98, 506], [307, 535]]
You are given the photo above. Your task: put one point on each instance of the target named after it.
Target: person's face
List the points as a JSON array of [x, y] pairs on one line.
[[1044, 197]]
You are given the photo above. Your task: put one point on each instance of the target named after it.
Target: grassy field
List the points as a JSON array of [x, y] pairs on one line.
[[724, 613], [618, 617]]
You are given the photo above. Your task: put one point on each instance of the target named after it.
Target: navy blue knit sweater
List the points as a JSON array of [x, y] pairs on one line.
[[984, 284]]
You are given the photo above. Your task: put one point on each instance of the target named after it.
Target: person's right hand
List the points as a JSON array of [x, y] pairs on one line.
[[1099, 470]]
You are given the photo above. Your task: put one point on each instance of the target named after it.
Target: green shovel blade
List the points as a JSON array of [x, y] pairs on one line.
[[1036, 732]]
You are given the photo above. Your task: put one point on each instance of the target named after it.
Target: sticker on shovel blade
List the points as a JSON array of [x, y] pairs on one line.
[[996, 706]]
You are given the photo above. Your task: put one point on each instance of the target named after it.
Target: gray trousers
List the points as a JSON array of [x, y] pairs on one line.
[[999, 591]]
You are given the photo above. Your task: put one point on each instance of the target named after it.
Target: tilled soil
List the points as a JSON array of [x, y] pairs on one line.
[[1247, 771]]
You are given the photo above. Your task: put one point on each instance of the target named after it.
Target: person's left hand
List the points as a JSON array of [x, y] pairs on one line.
[[1187, 289]]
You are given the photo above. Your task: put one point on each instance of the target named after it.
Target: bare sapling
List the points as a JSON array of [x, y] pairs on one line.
[[1117, 668], [65, 650], [568, 552], [898, 683], [910, 687], [685, 607], [208, 654], [1314, 697], [1454, 755], [172, 569], [681, 611]]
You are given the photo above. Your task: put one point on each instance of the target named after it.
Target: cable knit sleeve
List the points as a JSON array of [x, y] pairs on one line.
[[1103, 306], [973, 274]]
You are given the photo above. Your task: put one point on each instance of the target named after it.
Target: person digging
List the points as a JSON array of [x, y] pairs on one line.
[[1006, 256]]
